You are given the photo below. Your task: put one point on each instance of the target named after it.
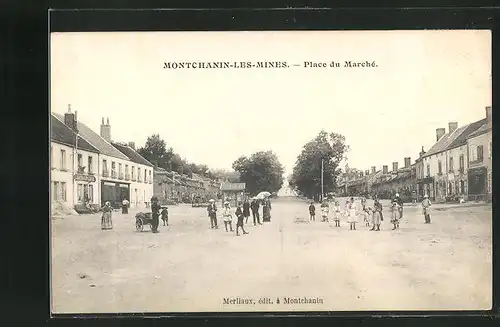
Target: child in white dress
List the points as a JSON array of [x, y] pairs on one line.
[[227, 216], [336, 214], [352, 219]]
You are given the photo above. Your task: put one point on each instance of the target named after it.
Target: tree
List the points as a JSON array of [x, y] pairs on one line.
[[306, 177], [261, 172], [156, 152]]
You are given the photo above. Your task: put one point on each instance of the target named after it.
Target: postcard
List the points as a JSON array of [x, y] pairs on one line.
[[270, 171]]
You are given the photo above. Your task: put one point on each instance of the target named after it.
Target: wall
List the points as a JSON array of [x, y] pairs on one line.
[[61, 174], [456, 177], [472, 144], [440, 180], [144, 188]]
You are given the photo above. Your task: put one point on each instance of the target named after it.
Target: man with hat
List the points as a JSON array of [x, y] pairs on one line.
[[426, 209], [212, 213], [255, 211], [155, 213]]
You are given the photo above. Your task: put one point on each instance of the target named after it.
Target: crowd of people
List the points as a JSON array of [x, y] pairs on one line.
[[372, 216], [242, 213]]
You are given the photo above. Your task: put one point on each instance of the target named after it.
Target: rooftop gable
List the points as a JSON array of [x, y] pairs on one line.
[[462, 138], [61, 133], [96, 140], [132, 154]]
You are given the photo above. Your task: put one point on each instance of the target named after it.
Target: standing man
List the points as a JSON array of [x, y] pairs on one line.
[[155, 213], [240, 216], [255, 211], [125, 206], [399, 201], [426, 208], [212, 213], [246, 210]]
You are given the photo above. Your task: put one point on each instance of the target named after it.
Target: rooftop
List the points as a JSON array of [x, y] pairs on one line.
[[61, 133], [232, 186], [95, 140], [486, 127], [132, 154]]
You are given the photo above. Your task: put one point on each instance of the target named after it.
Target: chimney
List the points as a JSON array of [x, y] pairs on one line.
[[106, 130], [70, 119], [452, 126], [374, 169], [407, 162], [132, 145], [488, 113], [439, 133], [421, 152], [395, 166], [367, 172], [385, 169]]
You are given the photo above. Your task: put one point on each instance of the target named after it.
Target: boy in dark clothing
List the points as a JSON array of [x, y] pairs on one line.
[[164, 215], [312, 212], [239, 214], [155, 213]]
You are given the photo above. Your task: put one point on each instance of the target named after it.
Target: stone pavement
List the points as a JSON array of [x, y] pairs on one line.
[[190, 267]]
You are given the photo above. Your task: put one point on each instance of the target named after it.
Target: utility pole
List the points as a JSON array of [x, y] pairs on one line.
[[322, 183]]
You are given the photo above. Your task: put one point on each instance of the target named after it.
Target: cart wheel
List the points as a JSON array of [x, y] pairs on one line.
[[139, 225]]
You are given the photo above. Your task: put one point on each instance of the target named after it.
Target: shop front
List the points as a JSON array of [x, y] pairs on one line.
[[85, 188], [115, 193], [426, 187], [477, 183]]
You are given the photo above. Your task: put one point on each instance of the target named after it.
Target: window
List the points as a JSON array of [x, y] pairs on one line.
[[127, 176], [451, 165], [113, 169], [80, 159], [150, 177], [63, 159], [120, 172], [133, 173], [90, 169], [138, 174], [461, 163], [63, 191], [145, 176], [55, 191], [450, 188], [480, 153], [473, 154], [440, 168], [428, 170], [104, 166], [462, 187]]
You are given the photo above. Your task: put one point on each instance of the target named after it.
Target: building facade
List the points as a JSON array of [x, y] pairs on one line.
[[479, 147], [73, 163], [117, 176]]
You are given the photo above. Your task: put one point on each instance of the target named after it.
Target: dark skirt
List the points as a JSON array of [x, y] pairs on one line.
[[124, 209], [266, 214], [240, 221]]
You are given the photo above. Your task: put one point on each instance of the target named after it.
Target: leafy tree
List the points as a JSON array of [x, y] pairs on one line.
[[261, 172], [306, 177], [156, 151]]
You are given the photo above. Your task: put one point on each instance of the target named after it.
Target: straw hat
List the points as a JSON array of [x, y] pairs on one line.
[[426, 196], [397, 194]]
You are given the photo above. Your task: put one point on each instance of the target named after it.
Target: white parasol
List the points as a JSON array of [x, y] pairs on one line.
[[262, 195]]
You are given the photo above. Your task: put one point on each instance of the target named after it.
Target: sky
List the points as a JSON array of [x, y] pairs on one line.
[[424, 80]]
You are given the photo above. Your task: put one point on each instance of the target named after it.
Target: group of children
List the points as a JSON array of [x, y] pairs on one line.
[[371, 216]]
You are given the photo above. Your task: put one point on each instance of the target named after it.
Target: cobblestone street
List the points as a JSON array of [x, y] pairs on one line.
[[190, 267]]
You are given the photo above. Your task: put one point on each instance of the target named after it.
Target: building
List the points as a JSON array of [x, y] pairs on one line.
[[233, 191], [445, 164], [399, 180], [479, 148], [109, 166], [72, 180], [422, 180], [140, 186]]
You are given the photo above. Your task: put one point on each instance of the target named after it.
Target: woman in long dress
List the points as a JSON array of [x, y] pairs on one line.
[[266, 210], [106, 221]]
